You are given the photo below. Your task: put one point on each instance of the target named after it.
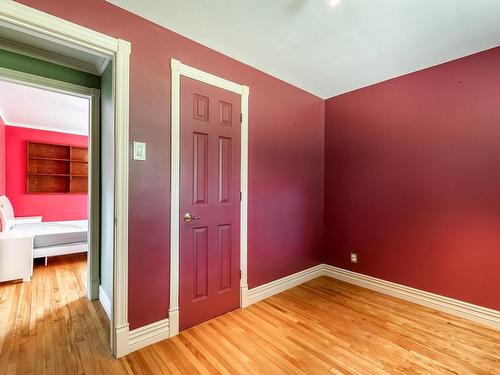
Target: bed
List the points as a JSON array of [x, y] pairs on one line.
[[51, 238], [56, 237]]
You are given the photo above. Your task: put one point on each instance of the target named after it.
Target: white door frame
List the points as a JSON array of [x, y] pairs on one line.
[[93, 96], [178, 69], [46, 26]]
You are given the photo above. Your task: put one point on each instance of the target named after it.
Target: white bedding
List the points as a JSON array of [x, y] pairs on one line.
[[56, 233]]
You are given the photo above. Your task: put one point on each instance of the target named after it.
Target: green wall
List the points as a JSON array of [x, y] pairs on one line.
[[25, 64]]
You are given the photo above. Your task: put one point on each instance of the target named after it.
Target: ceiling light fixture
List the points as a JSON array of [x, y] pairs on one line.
[[333, 3]]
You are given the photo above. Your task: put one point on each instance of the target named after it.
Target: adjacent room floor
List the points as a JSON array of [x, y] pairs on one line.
[[323, 326]]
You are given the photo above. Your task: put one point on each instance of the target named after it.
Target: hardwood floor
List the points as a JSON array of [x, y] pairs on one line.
[[324, 326], [49, 326]]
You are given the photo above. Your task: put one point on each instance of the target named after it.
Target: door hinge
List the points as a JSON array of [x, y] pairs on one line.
[[241, 117], [240, 274], [241, 196]]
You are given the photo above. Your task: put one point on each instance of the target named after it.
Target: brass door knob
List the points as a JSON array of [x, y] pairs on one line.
[[189, 218]]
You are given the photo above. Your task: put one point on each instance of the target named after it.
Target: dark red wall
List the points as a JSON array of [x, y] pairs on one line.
[[412, 179], [286, 157], [2, 156], [52, 207]]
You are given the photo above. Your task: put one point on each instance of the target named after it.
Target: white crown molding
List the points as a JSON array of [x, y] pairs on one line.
[[448, 305], [148, 335], [40, 127], [105, 301], [54, 58]]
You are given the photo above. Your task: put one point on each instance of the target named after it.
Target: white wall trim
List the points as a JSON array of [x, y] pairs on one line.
[[451, 306], [159, 331], [47, 26], [20, 17], [105, 301], [178, 69], [44, 83], [54, 58], [277, 286], [148, 335], [483, 315], [119, 312]]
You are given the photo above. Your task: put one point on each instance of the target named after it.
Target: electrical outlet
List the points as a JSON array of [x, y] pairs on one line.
[[354, 257]]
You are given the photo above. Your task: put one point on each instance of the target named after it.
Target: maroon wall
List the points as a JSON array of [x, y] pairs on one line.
[[412, 179], [2, 156], [286, 157], [52, 207]]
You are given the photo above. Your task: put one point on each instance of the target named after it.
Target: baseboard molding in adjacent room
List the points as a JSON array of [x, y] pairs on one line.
[[451, 306], [277, 286], [148, 335], [105, 301]]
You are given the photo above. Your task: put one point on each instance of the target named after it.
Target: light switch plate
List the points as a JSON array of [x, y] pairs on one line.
[[139, 151]]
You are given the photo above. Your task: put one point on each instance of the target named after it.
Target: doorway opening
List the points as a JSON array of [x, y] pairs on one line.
[[72, 168], [50, 200]]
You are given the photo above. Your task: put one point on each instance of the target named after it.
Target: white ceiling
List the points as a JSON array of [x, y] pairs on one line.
[[32, 107], [329, 51]]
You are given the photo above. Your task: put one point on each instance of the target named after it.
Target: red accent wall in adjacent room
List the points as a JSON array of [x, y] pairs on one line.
[[52, 207], [286, 157], [412, 179], [2, 156]]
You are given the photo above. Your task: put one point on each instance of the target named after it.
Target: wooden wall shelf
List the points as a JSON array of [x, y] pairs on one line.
[[56, 169]]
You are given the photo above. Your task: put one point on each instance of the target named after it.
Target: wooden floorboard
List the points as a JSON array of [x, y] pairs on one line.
[[48, 326]]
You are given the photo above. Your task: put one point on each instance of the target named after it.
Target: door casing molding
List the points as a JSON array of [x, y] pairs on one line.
[[179, 69], [35, 22]]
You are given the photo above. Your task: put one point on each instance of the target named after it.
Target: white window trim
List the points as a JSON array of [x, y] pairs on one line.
[[35, 22], [178, 69]]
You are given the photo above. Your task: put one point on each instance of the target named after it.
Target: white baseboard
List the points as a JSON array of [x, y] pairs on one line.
[[173, 316], [148, 335], [158, 331], [244, 296], [105, 301], [451, 306], [120, 346], [277, 286]]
